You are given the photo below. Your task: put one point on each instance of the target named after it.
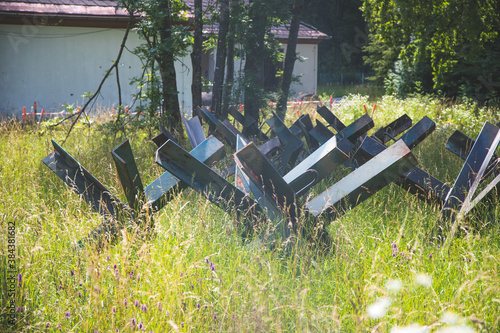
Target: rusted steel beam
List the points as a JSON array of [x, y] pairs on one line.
[[204, 180], [331, 119], [386, 133], [128, 174], [91, 191], [159, 191], [82, 182], [208, 117], [278, 197], [460, 198], [415, 181], [243, 182], [293, 145], [323, 161], [194, 131], [363, 182], [161, 138]]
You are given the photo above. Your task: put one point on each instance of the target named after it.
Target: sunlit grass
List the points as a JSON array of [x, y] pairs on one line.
[[384, 272]]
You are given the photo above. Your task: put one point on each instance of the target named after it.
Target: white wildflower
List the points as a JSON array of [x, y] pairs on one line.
[[413, 328], [393, 285], [379, 308], [424, 280]]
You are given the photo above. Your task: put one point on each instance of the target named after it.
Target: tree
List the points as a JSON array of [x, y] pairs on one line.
[[291, 55], [196, 86], [446, 35], [164, 28], [220, 62]]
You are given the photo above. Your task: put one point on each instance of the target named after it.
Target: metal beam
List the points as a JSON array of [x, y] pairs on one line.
[[363, 182], [194, 131]]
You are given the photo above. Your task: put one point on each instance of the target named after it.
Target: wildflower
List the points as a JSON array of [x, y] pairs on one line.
[[182, 274], [59, 325], [393, 285], [80, 294], [138, 276], [198, 305], [117, 330], [131, 274], [192, 286], [114, 309], [72, 273], [67, 313], [115, 266], [144, 308], [206, 260], [393, 254], [140, 326], [423, 279], [133, 322], [20, 278], [182, 323], [160, 306], [215, 316], [125, 302], [136, 303], [18, 309], [379, 308], [430, 256], [108, 258], [47, 324], [450, 318]]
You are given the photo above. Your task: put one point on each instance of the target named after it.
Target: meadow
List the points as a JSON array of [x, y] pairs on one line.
[[385, 270]]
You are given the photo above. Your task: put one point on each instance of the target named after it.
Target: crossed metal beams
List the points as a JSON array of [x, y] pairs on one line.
[[263, 189]]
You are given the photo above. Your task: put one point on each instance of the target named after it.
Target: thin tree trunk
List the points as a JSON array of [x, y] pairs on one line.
[[228, 87], [196, 86], [220, 61], [290, 57], [253, 99], [171, 114]]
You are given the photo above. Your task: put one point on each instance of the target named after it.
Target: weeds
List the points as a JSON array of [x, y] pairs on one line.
[[383, 273]]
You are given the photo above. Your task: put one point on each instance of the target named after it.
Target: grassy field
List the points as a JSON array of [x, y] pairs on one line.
[[385, 271]]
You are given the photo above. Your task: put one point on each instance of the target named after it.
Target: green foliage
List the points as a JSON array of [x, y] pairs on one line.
[[443, 43]]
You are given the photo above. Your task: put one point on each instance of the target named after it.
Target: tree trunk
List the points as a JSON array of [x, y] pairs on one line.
[[171, 114], [220, 61], [253, 99], [196, 86], [228, 87], [290, 57]]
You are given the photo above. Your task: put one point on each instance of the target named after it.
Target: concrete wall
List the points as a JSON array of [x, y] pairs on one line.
[[57, 65]]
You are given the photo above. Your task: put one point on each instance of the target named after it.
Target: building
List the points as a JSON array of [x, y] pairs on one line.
[[55, 51]]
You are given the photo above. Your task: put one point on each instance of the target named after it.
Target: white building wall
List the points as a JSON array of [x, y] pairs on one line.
[[57, 65], [306, 69]]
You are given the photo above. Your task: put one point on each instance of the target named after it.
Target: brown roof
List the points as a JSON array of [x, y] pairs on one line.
[[107, 13]]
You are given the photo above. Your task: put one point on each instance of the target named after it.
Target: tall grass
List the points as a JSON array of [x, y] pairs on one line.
[[384, 271]]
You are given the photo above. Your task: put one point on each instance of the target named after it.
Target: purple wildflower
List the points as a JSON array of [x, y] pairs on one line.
[[207, 261], [20, 278], [67, 313], [115, 266], [182, 274], [117, 330], [125, 302], [430, 256], [47, 324], [136, 303], [182, 323], [18, 309], [215, 316], [198, 305], [393, 254], [80, 294], [59, 325], [133, 322], [160, 306], [72, 273], [141, 326], [131, 274], [144, 308], [114, 309]]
